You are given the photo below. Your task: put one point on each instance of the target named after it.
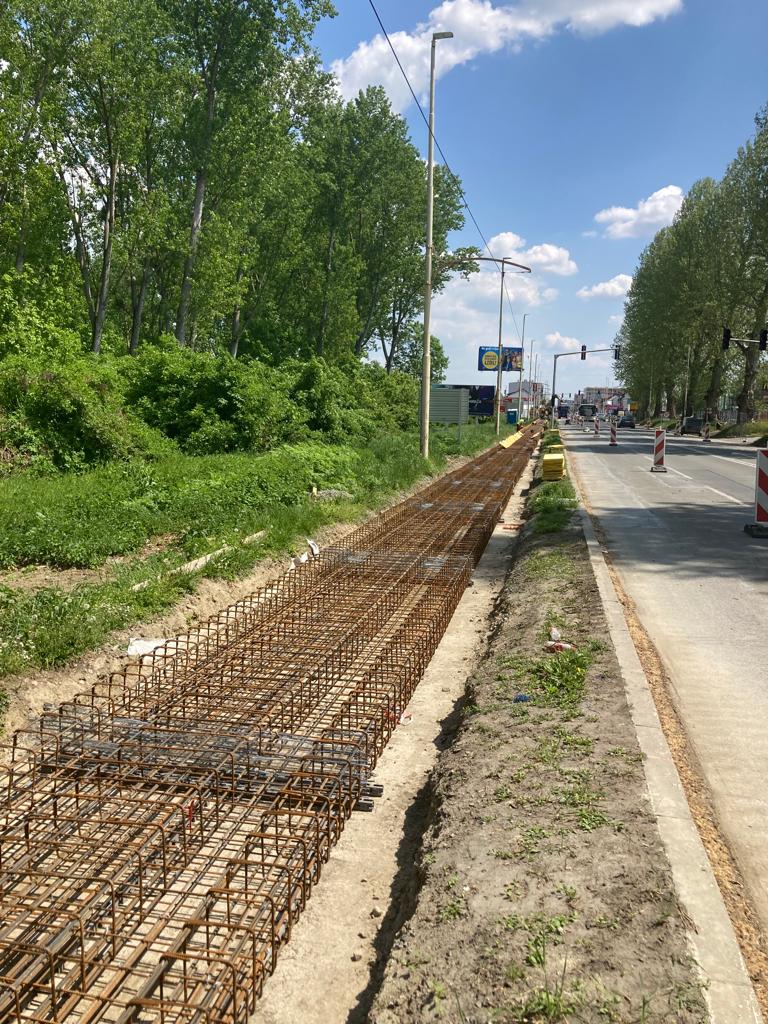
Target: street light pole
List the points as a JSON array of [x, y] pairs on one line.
[[505, 262], [530, 377], [426, 361], [520, 385], [499, 384]]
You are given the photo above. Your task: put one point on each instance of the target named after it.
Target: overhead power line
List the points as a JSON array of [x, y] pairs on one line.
[[439, 148]]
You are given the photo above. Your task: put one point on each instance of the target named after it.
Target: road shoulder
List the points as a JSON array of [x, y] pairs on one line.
[[546, 889], [729, 991]]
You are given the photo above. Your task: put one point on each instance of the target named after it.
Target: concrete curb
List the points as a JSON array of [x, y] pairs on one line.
[[728, 990]]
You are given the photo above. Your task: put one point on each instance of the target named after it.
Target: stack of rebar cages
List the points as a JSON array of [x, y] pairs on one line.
[[161, 833]]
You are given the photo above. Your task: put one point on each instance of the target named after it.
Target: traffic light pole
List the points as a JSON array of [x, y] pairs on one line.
[[761, 342], [583, 352]]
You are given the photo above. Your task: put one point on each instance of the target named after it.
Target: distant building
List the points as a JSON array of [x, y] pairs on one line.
[[532, 395], [607, 399]]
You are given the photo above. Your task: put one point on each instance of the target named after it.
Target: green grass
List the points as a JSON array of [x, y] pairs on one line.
[[757, 429], [552, 503], [81, 519], [546, 564], [548, 439]]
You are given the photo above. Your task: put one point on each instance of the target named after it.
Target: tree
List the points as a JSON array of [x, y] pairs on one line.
[[409, 356]]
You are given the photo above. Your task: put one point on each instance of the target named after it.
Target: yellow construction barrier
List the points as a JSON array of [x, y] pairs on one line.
[[553, 467]]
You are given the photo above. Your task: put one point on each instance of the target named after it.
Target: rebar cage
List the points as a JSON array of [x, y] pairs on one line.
[[161, 833]]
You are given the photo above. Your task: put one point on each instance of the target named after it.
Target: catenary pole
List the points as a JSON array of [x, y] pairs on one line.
[[426, 361]]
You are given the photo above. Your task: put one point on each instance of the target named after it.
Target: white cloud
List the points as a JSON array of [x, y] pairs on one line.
[[652, 213], [545, 257], [480, 26], [589, 234], [616, 288], [466, 313], [616, 318], [562, 342]]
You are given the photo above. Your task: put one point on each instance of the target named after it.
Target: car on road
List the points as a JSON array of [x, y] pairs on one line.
[[692, 425], [627, 421]]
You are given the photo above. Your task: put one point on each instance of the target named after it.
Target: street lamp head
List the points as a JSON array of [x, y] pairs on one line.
[[441, 35]]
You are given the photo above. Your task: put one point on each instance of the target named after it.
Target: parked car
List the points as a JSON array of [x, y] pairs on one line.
[[627, 421], [692, 425]]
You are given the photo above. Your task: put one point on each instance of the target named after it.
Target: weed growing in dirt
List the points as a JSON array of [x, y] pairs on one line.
[[561, 678], [453, 910], [438, 992], [546, 564]]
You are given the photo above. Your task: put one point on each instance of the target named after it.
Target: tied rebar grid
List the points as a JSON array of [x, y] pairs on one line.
[[161, 833]]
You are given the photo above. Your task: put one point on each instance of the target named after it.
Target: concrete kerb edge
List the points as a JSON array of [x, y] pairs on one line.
[[727, 987]]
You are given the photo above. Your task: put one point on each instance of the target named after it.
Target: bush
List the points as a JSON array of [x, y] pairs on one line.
[[69, 414], [210, 404]]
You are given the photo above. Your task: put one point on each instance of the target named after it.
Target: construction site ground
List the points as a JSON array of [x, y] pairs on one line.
[[545, 893], [513, 870]]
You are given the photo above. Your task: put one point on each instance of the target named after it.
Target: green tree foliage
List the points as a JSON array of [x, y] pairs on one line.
[[185, 168], [707, 270], [180, 183], [411, 353]]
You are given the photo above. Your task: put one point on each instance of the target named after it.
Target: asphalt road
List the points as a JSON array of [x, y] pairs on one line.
[[700, 585]]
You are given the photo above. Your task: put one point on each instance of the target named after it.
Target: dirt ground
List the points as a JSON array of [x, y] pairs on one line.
[[545, 892]]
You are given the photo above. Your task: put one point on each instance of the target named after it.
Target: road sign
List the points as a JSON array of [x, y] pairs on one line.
[[449, 405], [488, 358]]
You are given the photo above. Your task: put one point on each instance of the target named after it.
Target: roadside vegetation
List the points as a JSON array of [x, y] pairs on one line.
[[757, 431], [707, 270]]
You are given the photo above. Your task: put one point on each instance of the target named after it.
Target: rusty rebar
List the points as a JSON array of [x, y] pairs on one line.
[[161, 833]]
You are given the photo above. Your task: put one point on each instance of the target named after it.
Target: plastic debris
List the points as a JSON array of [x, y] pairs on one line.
[[521, 698], [555, 646], [138, 646], [555, 634], [314, 547]]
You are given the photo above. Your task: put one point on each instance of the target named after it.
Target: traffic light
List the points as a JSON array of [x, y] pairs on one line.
[[583, 351], [726, 338], [616, 351], [763, 343]]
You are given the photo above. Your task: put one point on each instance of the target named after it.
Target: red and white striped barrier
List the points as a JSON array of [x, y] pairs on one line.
[[597, 427], [659, 451], [760, 526], [706, 432], [614, 440]]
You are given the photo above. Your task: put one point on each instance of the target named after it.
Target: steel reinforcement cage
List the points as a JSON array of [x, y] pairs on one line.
[[160, 833]]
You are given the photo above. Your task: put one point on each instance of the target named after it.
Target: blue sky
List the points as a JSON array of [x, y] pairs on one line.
[[554, 112]]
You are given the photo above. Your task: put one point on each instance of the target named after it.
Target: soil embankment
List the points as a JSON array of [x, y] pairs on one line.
[[546, 893]]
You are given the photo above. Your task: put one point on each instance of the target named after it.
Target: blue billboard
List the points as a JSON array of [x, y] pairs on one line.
[[488, 358]]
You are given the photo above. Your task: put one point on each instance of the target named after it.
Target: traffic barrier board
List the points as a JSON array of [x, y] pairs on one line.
[[760, 526], [659, 451]]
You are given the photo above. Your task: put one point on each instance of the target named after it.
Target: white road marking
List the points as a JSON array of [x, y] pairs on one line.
[[727, 458], [722, 494]]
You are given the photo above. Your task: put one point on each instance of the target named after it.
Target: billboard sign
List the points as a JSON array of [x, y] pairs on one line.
[[481, 398], [488, 358]]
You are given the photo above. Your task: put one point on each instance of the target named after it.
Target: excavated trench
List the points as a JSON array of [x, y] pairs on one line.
[[161, 833]]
